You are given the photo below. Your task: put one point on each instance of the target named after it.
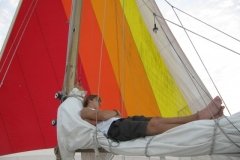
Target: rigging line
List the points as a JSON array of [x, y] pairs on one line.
[[192, 77], [225, 134], [200, 58], [23, 22], [227, 48], [202, 89], [192, 31], [117, 42], [184, 65], [232, 124], [101, 51], [122, 62], [205, 93], [213, 138], [100, 63], [203, 22], [210, 98], [118, 51], [14, 52]]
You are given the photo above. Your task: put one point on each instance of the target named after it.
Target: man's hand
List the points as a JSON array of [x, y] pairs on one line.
[[118, 114], [91, 115]]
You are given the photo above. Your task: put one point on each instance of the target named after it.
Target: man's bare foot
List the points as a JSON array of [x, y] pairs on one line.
[[213, 109], [220, 113]]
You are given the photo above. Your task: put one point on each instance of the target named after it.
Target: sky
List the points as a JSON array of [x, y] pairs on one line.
[[223, 65], [7, 11]]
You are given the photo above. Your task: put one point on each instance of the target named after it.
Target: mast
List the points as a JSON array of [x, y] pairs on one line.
[[72, 50]]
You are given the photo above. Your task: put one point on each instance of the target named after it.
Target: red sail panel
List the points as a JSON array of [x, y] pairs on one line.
[[37, 46]]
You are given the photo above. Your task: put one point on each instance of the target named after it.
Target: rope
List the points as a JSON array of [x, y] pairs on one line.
[[14, 53], [189, 73], [147, 146], [110, 142], [122, 75], [99, 76], [232, 124], [95, 136], [226, 135], [15, 39], [122, 62], [216, 122], [121, 53], [101, 50], [213, 138], [96, 151], [98, 84], [199, 35], [203, 22], [205, 69], [30, 7], [191, 76], [20, 38], [195, 49]]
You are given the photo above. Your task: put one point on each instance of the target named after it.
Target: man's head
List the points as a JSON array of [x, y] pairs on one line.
[[92, 101]]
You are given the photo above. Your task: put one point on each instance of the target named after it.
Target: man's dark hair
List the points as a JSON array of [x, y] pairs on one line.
[[90, 97]]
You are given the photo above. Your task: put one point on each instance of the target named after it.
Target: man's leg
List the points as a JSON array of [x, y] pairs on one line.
[[159, 125]]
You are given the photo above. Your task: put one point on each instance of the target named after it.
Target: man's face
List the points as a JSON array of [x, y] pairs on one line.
[[96, 102]]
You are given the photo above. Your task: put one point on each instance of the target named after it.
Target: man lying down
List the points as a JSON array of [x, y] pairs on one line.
[[110, 123]]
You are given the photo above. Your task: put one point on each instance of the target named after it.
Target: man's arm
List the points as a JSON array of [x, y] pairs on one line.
[[90, 114]]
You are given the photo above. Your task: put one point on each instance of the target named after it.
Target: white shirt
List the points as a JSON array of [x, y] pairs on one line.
[[105, 125]]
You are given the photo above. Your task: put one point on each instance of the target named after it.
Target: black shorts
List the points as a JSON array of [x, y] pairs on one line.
[[125, 129]]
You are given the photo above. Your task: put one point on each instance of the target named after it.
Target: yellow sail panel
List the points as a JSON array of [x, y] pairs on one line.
[[168, 96], [130, 73]]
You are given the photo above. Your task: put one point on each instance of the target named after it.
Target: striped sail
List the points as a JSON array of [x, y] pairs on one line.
[[120, 58]]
